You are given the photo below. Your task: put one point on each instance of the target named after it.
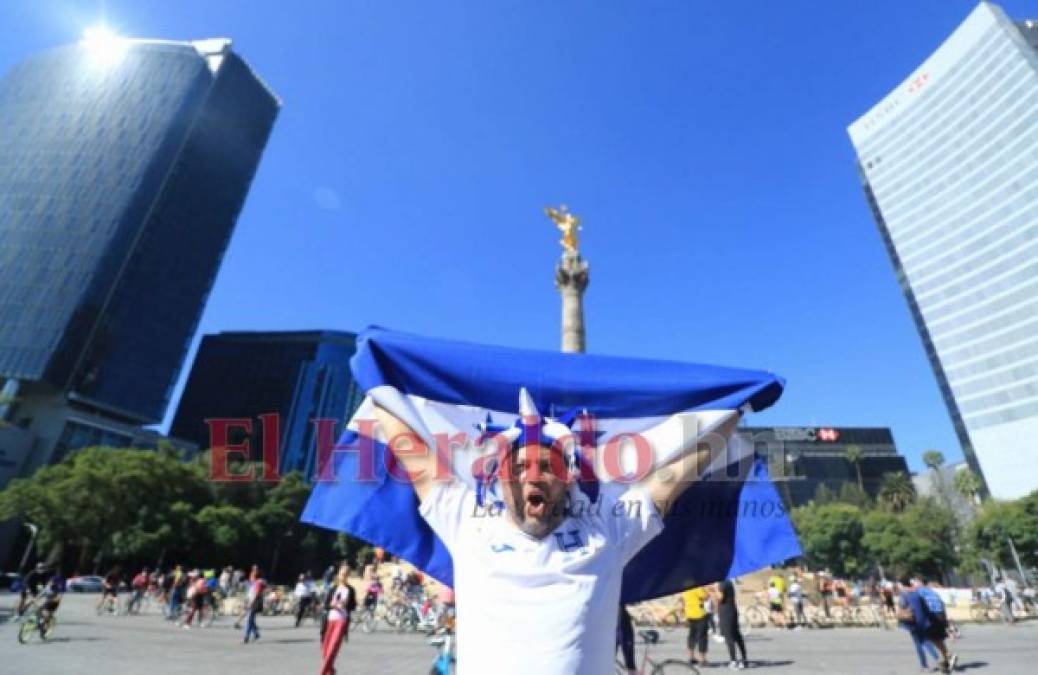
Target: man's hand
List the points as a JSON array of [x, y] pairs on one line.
[[667, 482], [410, 451]]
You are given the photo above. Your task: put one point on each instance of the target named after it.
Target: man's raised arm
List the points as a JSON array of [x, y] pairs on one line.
[[667, 482], [410, 451]]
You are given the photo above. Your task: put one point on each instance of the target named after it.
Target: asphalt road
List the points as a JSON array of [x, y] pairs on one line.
[[86, 643]]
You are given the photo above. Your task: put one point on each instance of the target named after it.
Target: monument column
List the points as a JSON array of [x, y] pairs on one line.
[[571, 278]]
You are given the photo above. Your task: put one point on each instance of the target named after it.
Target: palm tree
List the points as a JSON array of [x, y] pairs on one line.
[[934, 459], [967, 484], [896, 492], [854, 456]]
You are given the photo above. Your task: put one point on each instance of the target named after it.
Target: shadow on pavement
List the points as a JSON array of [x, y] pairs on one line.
[[769, 664], [972, 664]]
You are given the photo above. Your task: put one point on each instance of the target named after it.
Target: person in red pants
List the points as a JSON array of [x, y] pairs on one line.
[[341, 601]]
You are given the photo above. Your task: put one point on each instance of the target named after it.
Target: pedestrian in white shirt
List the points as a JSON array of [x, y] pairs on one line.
[[537, 574]]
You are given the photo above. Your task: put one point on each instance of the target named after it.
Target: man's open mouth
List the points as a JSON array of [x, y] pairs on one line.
[[536, 505]]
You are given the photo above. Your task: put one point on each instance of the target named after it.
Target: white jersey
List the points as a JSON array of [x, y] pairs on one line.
[[545, 606]]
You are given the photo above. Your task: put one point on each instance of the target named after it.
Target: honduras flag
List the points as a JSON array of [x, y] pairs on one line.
[[456, 394]]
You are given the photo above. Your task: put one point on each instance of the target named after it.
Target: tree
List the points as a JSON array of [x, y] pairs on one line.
[[104, 502], [968, 485], [934, 459], [824, 494], [854, 456], [854, 495], [896, 492], [831, 535], [933, 532], [997, 522], [884, 539]]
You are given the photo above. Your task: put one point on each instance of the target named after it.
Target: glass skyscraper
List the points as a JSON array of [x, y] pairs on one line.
[[299, 376], [123, 168], [949, 161]]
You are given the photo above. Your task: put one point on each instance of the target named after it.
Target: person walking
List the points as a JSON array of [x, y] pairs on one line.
[[199, 591], [1005, 594], [254, 604], [342, 601], [728, 621], [695, 613], [796, 597], [912, 617], [304, 595]]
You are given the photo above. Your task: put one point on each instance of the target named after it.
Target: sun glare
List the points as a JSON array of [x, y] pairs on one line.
[[104, 46]]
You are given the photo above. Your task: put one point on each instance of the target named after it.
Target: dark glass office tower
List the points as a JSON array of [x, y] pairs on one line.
[[299, 376], [123, 168], [802, 459]]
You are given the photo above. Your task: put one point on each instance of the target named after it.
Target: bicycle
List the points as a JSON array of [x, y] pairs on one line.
[[650, 667], [42, 621], [444, 662], [108, 606]]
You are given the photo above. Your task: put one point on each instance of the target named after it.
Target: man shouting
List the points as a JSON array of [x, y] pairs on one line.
[[537, 565]]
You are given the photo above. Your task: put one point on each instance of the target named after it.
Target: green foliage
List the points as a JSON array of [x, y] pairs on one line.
[[934, 459], [896, 492], [147, 507], [967, 484], [997, 522], [830, 535], [854, 456], [824, 494], [854, 495], [852, 540]]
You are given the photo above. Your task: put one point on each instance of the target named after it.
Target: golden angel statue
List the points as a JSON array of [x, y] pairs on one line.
[[568, 224]]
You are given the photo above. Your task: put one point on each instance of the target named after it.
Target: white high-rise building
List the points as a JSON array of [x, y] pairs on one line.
[[949, 161]]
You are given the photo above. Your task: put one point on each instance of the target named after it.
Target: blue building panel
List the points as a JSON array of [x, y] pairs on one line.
[[120, 184]]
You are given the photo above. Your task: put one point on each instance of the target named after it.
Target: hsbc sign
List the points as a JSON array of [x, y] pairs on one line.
[[828, 435], [809, 434]]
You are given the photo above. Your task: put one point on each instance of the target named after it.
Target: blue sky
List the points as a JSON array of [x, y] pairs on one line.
[[703, 143]]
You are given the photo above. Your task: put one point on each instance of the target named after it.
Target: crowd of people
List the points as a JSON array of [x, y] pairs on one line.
[[188, 596]]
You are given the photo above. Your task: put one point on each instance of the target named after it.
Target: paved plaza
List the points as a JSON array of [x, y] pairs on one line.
[[86, 643]]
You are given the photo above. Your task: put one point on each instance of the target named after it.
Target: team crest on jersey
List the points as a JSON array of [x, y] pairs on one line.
[[569, 540]]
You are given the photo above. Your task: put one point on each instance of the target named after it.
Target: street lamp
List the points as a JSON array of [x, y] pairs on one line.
[[28, 547]]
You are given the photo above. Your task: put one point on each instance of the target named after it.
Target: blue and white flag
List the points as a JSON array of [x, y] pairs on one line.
[[453, 394]]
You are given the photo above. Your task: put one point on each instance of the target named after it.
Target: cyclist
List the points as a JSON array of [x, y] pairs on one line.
[[48, 600], [31, 584], [139, 584], [110, 589], [213, 592], [373, 593], [198, 591]]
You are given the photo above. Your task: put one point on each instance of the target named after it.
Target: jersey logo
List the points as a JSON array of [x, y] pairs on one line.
[[568, 541], [501, 548]]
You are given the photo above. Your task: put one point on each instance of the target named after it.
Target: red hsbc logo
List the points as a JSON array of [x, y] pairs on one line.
[[918, 83], [828, 435]]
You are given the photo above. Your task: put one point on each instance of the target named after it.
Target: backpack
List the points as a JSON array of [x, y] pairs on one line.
[[932, 604]]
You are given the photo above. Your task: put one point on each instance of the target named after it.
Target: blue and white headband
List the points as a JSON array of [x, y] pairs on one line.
[[529, 429]]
